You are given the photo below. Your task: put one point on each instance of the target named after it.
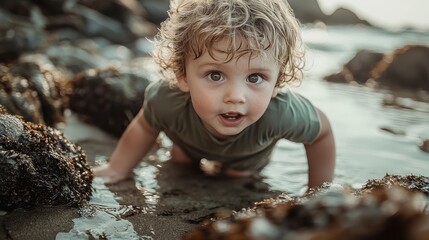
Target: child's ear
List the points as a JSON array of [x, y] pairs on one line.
[[183, 84], [275, 91]]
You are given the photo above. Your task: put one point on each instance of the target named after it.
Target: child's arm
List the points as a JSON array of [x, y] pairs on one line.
[[135, 142], [321, 154]]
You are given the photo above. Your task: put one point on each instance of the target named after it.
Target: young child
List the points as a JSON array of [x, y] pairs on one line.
[[225, 62]]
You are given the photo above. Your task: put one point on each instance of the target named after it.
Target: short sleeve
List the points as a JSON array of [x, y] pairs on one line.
[[293, 117], [152, 105], [164, 105]]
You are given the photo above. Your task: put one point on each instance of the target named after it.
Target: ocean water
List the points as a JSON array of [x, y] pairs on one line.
[[358, 117]]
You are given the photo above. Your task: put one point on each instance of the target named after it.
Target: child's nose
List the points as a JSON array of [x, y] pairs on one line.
[[235, 93]]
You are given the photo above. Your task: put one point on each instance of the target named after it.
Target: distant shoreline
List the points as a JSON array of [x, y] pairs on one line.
[[392, 15]]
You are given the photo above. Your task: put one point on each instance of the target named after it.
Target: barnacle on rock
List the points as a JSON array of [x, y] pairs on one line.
[[391, 208], [34, 89], [39, 166], [412, 182], [115, 96], [18, 98], [48, 82]]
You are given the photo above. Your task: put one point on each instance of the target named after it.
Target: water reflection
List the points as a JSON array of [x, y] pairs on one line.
[[373, 138], [102, 218]]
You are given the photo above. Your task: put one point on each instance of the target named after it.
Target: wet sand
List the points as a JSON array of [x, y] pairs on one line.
[[181, 199]]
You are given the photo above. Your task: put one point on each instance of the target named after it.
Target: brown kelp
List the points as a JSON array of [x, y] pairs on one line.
[[39, 166]]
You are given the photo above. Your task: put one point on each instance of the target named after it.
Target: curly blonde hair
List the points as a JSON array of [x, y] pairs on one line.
[[194, 26]]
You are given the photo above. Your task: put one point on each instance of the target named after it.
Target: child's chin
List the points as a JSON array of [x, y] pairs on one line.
[[228, 133]]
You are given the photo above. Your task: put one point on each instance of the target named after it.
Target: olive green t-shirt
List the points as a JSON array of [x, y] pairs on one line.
[[288, 116]]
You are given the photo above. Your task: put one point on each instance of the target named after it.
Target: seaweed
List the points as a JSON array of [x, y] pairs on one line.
[[39, 166]]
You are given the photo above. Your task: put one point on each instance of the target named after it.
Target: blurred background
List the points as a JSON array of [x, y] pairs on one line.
[[392, 15]]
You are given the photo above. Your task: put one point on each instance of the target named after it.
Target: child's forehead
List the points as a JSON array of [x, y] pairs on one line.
[[229, 44], [231, 47]]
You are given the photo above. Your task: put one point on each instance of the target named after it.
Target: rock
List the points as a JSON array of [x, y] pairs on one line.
[[410, 182], [39, 166], [116, 95], [48, 82], [17, 36], [393, 131], [156, 10], [424, 146], [406, 67], [382, 209], [343, 16], [310, 12], [10, 126], [307, 11], [358, 69]]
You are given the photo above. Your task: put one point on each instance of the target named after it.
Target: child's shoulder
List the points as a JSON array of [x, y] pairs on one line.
[[157, 87], [287, 99], [163, 100], [291, 115], [162, 90]]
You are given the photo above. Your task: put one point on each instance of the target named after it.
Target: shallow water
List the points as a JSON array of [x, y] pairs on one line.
[[364, 150], [101, 217], [357, 114]]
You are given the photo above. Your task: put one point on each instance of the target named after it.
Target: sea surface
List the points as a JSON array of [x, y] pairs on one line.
[[365, 150]]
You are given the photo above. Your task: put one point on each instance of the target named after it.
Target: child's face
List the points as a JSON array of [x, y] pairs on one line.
[[229, 96]]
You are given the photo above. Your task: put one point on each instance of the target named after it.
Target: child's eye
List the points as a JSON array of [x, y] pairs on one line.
[[255, 78], [215, 76]]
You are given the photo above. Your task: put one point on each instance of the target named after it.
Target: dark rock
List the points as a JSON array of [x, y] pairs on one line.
[[307, 11], [39, 166], [343, 16], [310, 12], [73, 59], [424, 146], [407, 67], [116, 96], [17, 35], [33, 88], [18, 97], [156, 10], [358, 69], [393, 131], [49, 84]]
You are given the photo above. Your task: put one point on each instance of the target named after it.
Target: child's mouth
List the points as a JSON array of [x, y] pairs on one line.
[[231, 116]]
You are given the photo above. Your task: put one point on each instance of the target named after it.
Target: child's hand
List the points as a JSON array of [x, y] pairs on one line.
[[108, 174]]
